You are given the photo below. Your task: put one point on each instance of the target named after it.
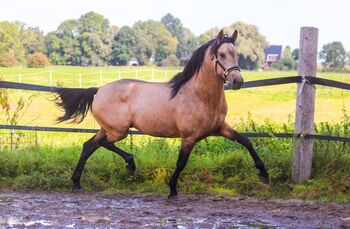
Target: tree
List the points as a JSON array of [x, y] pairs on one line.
[[333, 55], [68, 29], [32, 38], [10, 40], [85, 41], [156, 39], [187, 41], [93, 23], [295, 54], [123, 46], [250, 44], [186, 46], [171, 61], [174, 26], [287, 52]]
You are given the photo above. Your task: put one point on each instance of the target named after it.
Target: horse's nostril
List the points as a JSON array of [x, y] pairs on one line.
[[234, 81]]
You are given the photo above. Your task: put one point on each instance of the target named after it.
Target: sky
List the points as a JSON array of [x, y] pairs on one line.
[[278, 20]]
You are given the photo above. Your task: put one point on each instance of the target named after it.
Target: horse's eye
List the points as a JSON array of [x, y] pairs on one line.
[[222, 55]]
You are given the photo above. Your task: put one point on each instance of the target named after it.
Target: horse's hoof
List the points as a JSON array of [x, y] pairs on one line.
[[264, 178], [172, 196], [130, 169], [76, 190]]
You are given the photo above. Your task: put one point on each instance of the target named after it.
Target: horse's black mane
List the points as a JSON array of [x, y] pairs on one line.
[[195, 63]]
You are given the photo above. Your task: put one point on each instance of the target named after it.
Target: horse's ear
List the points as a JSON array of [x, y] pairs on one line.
[[221, 36], [234, 35]]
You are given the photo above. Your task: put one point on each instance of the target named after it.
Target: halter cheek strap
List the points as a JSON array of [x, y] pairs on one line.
[[226, 70]]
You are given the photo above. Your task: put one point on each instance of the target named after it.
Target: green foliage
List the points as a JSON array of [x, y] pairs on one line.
[[37, 60], [10, 40], [123, 48], [86, 41], [174, 25], [187, 41], [295, 54], [32, 38], [171, 61], [13, 113], [287, 62], [333, 55], [216, 166], [157, 38]]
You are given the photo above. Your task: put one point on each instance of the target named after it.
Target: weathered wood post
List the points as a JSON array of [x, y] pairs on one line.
[[305, 105]]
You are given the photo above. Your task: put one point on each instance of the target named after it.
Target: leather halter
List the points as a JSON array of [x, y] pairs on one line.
[[217, 62], [226, 70]]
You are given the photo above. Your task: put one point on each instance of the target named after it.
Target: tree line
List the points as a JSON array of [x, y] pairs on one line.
[[92, 41]]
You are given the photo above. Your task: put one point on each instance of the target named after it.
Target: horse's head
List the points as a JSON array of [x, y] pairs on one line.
[[225, 59]]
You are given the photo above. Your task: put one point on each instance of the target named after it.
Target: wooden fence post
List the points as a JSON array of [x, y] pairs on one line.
[[305, 105]]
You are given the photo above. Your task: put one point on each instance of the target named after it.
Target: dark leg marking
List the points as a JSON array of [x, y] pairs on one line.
[[129, 159], [89, 148], [180, 165], [259, 164]]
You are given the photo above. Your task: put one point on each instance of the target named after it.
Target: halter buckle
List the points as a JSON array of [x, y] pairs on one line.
[[226, 72]]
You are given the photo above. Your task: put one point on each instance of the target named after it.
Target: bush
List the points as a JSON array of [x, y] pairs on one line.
[[37, 60], [7, 61], [285, 64], [171, 61]]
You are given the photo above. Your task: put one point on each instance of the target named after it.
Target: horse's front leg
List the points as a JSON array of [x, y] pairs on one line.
[[226, 131], [184, 154]]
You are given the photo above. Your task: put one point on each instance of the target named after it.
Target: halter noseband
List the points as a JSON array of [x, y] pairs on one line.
[[217, 62]]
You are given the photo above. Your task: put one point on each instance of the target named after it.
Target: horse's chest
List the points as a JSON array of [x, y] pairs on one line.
[[211, 119]]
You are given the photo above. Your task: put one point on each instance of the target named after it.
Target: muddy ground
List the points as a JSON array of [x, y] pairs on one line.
[[91, 210]]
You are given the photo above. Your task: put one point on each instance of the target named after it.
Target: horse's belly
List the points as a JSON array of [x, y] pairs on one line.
[[155, 125]]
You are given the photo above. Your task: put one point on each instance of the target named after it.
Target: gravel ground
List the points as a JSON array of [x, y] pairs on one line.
[[93, 210]]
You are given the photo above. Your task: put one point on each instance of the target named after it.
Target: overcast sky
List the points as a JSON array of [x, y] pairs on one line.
[[278, 20]]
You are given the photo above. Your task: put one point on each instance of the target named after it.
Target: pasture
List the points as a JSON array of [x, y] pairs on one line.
[[216, 165], [272, 104]]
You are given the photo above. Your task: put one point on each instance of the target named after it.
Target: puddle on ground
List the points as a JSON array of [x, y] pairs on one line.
[[208, 223], [15, 222], [9, 221], [6, 200], [64, 210], [96, 219]]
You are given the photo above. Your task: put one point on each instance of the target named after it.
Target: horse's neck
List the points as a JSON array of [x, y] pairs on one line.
[[208, 87]]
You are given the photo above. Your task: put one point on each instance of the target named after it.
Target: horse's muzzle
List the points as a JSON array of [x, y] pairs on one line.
[[236, 83]]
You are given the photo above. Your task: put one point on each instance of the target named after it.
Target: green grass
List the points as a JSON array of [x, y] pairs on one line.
[[216, 165]]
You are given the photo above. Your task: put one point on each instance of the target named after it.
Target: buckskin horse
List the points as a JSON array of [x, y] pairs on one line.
[[190, 106]]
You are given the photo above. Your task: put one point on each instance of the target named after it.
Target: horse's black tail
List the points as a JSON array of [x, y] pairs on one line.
[[76, 102]]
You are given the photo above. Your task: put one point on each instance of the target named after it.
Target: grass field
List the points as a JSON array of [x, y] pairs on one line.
[[215, 166], [273, 103]]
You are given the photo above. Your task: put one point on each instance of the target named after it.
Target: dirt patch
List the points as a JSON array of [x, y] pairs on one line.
[[91, 210]]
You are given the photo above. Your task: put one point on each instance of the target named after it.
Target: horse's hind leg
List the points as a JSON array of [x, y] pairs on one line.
[[226, 131], [129, 158], [89, 148]]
